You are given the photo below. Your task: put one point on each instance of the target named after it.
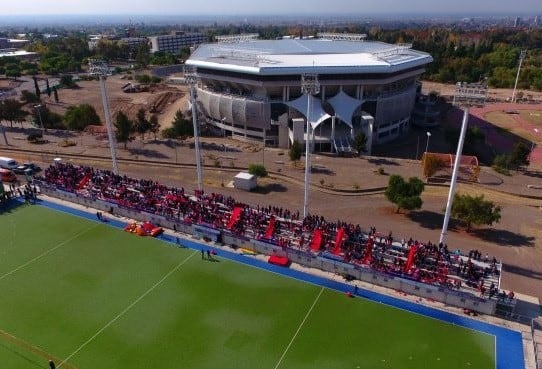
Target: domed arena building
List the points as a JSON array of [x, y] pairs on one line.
[[265, 89]]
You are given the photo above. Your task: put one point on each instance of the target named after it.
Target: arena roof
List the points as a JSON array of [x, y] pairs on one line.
[[293, 56]]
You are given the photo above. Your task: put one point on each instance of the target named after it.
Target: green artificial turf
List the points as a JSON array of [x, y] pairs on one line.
[[108, 299]]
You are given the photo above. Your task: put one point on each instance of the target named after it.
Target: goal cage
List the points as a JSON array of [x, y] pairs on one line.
[[432, 163]]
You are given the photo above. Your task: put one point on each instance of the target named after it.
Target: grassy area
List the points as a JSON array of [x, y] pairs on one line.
[[104, 298], [532, 116]]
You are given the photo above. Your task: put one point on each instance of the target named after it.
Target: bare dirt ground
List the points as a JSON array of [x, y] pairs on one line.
[[500, 94], [163, 100], [342, 188]]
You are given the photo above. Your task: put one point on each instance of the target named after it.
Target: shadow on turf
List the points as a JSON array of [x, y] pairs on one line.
[[24, 357]]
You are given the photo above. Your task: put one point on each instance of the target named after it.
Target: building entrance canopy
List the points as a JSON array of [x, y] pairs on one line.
[[344, 106], [317, 113]]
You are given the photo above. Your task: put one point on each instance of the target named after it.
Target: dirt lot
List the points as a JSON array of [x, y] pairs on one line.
[[160, 99]]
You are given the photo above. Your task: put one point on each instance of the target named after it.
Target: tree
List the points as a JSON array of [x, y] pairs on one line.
[[360, 143], [520, 155], [142, 55], [124, 128], [141, 124], [43, 116], [180, 127], [36, 87], [475, 210], [77, 117], [55, 93], [257, 170], [13, 71], [406, 195], [28, 97], [11, 110], [154, 125], [432, 164], [295, 151], [67, 81]]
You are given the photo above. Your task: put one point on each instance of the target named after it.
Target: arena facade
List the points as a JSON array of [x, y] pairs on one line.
[[252, 89]]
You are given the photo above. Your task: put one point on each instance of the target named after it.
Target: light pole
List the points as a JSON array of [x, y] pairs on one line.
[[4, 134], [533, 144], [427, 144], [38, 109], [465, 96], [521, 57], [191, 78], [99, 68], [309, 86]]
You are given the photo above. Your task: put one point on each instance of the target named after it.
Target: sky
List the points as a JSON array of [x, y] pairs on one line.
[[266, 7]]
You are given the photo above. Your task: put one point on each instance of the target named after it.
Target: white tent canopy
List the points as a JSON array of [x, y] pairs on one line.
[[344, 106], [317, 113]]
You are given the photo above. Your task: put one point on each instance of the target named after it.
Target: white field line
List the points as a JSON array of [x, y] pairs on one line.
[[299, 328], [119, 315], [47, 252]]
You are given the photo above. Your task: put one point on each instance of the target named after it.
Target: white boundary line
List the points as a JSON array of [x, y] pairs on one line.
[[45, 253], [119, 315], [299, 328]]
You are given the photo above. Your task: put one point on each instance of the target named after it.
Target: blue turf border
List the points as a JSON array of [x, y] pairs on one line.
[[509, 345]]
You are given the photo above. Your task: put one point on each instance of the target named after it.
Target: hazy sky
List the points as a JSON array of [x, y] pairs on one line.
[[232, 7]]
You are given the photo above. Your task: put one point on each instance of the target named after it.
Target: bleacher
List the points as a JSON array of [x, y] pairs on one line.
[[340, 241]]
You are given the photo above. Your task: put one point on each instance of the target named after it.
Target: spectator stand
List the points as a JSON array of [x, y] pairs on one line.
[[413, 267]]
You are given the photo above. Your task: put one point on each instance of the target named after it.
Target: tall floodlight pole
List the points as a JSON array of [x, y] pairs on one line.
[[191, 78], [309, 86], [465, 96], [99, 68], [521, 57]]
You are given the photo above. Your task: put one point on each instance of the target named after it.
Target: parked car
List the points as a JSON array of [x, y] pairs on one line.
[[27, 168], [30, 165]]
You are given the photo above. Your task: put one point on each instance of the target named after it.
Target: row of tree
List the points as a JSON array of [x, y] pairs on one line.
[[459, 55], [471, 210], [126, 128]]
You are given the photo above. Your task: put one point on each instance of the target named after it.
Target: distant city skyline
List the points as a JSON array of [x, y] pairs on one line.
[[254, 7]]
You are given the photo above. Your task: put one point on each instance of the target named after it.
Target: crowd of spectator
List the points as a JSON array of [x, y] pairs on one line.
[[350, 243]]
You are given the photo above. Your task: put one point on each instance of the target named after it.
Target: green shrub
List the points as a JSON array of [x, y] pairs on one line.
[[35, 137], [257, 170]]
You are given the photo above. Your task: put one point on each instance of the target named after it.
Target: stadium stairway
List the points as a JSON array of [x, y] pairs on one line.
[[270, 228], [235, 215], [339, 238], [316, 241]]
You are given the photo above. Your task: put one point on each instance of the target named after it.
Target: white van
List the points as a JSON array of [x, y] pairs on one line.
[[8, 163]]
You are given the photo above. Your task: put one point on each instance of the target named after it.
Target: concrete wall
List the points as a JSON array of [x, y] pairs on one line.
[[447, 296]]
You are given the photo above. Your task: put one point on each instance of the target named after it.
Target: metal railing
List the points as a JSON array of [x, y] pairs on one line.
[[537, 346]]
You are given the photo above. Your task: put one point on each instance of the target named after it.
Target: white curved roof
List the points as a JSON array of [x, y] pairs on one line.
[[291, 56], [344, 106], [317, 113]]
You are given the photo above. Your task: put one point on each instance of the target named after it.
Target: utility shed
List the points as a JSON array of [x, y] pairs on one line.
[[245, 181]]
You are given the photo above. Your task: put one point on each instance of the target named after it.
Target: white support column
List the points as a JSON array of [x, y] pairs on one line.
[[108, 125], [465, 95], [192, 79], [370, 125], [99, 68], [333, 133], [309, 86], [453, 182]]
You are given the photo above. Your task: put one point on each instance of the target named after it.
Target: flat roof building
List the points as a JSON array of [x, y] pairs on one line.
[[174, 42]]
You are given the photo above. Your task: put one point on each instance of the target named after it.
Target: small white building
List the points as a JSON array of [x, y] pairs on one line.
[[245, 181]]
